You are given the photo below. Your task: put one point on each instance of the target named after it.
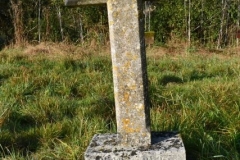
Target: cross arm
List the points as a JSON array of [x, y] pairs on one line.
[[86, 2], [83, 2]]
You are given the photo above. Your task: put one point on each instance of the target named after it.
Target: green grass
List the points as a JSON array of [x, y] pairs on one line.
[[55, 105]]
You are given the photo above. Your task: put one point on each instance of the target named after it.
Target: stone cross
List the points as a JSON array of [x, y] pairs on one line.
[[126, 23], [133, 141]]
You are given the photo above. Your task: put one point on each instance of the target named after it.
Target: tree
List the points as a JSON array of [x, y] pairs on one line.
[[17, 18], [205, 22]]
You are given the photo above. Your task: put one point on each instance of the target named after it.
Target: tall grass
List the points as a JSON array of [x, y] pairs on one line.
[[55, 105], [198, 96]]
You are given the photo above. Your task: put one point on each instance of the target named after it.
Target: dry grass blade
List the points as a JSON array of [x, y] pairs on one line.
[[4, 116]]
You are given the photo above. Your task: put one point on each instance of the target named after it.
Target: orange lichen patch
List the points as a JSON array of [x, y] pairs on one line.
[[126, 96], [129, 55], [145, 135], [127, 65], [115, 68], [115, 14], [127, 129], [126, 122], [111, 23], [134, 57], [133, 87]]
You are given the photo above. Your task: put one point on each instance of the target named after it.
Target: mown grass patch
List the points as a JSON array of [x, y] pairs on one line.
[[55, 105]]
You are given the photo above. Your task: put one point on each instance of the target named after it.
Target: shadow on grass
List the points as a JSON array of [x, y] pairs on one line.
[[170, 79], [15, 135], [23, 134], [197, 75], [105, 109], [237, 142], [23, 142], [3, 78], [193, 76], [18, 122]]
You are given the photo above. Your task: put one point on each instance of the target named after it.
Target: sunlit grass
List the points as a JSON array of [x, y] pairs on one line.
[[55, 104]]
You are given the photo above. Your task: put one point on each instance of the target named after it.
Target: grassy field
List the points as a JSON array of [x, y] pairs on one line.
[[53, 101]]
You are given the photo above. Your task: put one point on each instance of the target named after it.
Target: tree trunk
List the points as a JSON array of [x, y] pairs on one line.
[[186, 18], [238, 19], [39, 21], [226, 35], [47, 29], [145, 20], [80, 28], [189, 23], [17, 18], [220, 35], [60, 21], [202, 22]]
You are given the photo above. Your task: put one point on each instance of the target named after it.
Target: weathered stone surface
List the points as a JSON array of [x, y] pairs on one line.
[[83, 2], [126, 23], [165, 146]]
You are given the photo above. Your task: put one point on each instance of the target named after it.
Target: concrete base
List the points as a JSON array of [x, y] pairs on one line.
[[165, 146]]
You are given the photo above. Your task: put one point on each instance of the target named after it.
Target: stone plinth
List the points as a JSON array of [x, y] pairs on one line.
[[165, 146]]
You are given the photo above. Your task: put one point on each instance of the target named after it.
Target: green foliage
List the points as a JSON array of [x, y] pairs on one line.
[[169, 21]]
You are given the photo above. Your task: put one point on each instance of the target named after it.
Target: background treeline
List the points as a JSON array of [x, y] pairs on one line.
[[211, 23]]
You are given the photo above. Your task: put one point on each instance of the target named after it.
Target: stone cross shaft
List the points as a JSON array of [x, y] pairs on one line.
[[126, 23]]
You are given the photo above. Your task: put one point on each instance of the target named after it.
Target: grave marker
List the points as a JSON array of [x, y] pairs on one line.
[[133, 140]]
